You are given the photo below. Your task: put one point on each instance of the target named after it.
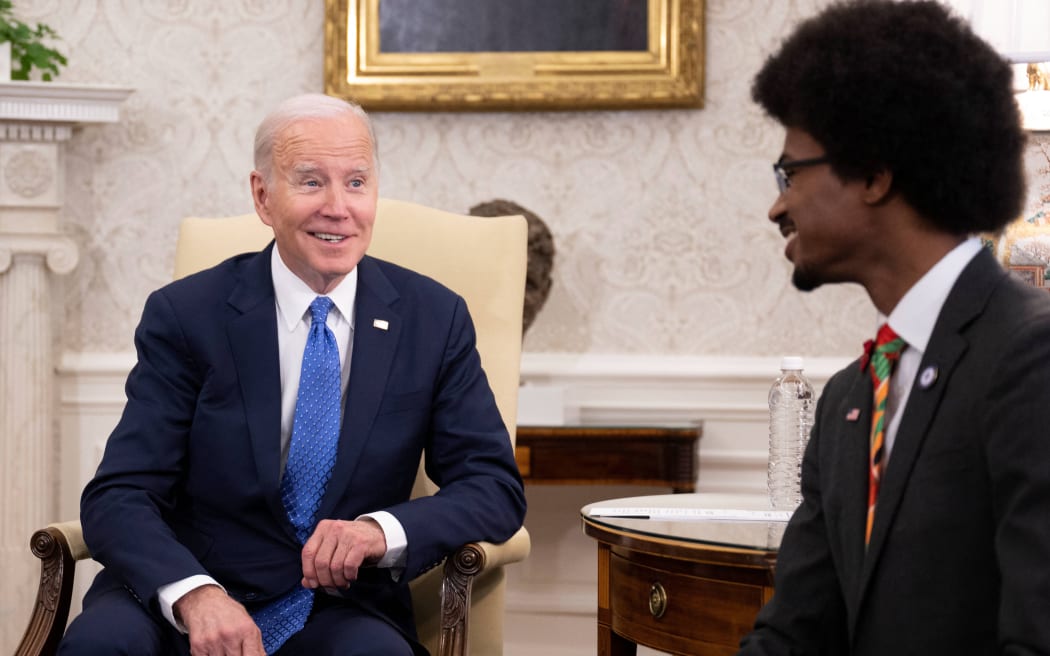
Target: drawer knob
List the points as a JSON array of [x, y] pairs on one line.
[[657, 600]]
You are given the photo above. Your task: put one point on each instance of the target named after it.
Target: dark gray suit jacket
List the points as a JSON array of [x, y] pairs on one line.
[[959, 560]]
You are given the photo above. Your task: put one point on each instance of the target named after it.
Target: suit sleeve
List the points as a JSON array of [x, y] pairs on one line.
[[124, 505], [468, 455], [807, 613], [1017, 430]]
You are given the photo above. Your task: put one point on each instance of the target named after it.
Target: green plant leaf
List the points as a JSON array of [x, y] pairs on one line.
[[28, 48]]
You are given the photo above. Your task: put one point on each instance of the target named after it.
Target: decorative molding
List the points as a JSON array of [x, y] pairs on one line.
[[728, 394], [617, 388], [599, 371], [61, 251], [10, 131], [61, 103], [540, 367], [29, 174], [96, 364], [93, 384]]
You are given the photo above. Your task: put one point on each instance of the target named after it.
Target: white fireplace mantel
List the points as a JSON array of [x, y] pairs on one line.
[[68, 104], [37, 119]]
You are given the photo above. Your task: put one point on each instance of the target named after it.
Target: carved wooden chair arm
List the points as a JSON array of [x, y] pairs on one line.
[[470, 561], [514, 550], [59, 546]]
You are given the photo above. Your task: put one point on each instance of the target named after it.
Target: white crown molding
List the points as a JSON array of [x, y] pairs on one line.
[[67, 104]]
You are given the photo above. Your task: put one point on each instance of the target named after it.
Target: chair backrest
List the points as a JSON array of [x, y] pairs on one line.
[[481, 259]]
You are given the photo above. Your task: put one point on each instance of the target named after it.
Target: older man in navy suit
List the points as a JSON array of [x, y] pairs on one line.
[[189, 511], [924, 526]]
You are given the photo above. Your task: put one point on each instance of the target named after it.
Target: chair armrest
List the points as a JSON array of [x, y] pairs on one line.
[[58, 547], [470, 561], [492, 555], [74, 536]]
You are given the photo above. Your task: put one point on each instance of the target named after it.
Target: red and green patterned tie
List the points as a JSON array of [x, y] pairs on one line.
[[880, 359]]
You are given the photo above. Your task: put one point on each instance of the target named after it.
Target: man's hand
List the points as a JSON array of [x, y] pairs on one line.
[[217, 625], [337, 550]]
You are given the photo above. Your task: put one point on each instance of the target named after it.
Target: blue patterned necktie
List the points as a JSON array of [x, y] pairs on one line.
[[311, 457]]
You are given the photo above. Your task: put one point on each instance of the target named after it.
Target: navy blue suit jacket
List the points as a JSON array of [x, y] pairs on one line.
[[189, 480]]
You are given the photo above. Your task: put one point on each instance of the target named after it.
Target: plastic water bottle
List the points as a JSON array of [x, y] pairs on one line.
[[790, 420]]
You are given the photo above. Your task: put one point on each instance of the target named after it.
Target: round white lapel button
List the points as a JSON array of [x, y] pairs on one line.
[[928, 377]]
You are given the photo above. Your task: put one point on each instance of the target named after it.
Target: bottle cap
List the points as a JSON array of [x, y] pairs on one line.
[[791, 362]]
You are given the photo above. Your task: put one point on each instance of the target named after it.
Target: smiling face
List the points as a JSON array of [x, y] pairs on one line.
[[823, 217], [320, 198]]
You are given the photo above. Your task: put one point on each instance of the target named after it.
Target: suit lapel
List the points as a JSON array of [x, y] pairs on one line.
[[373, 352], [251, 334], [854, 413], [946, 347]]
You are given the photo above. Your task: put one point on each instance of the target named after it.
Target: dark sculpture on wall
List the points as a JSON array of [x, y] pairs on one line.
[[540, 259]]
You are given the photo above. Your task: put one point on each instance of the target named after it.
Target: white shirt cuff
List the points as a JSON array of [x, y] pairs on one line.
[[396, 542], [168, 594]]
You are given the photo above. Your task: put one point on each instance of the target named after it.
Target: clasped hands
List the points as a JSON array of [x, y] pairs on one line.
[[332, 557]]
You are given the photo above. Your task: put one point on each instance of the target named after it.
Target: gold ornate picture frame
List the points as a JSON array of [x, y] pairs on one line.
[[669, 72]]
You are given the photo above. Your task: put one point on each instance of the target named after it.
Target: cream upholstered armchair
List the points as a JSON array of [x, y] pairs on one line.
[[483, 260]]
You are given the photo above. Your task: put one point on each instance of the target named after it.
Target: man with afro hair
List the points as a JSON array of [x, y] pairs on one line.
[[924, 526]]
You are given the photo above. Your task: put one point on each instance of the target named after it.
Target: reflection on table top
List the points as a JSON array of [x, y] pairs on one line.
[[737, 534]]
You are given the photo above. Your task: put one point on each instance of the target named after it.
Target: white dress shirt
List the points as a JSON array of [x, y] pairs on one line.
[[293, 298], [913, 319]]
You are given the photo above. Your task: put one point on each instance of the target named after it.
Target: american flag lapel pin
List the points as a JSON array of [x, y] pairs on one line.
[[381, 324], [853, 414]]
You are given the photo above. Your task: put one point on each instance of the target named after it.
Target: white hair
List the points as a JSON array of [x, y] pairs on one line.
[[297, 108]]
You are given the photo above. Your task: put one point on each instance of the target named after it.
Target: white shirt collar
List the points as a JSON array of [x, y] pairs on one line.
[[916, 313], [294, 296]]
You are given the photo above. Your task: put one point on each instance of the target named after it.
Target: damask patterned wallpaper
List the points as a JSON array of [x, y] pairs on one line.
[[659, 217]]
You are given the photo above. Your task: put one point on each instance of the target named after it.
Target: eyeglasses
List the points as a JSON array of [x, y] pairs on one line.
[[783, 169]]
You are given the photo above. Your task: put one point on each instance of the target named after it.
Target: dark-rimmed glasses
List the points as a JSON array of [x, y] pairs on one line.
[[783, 168]]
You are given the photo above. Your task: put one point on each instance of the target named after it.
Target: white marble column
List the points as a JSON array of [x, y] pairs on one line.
[[36, 121]]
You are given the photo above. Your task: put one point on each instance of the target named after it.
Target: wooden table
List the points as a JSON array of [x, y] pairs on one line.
[[683, 587], [609, 455]]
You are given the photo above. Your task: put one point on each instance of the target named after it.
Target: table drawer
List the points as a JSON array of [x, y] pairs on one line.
[[679, 612]]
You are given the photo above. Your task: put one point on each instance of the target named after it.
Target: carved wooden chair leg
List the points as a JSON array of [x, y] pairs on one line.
[[460, 570], [53, 597]]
